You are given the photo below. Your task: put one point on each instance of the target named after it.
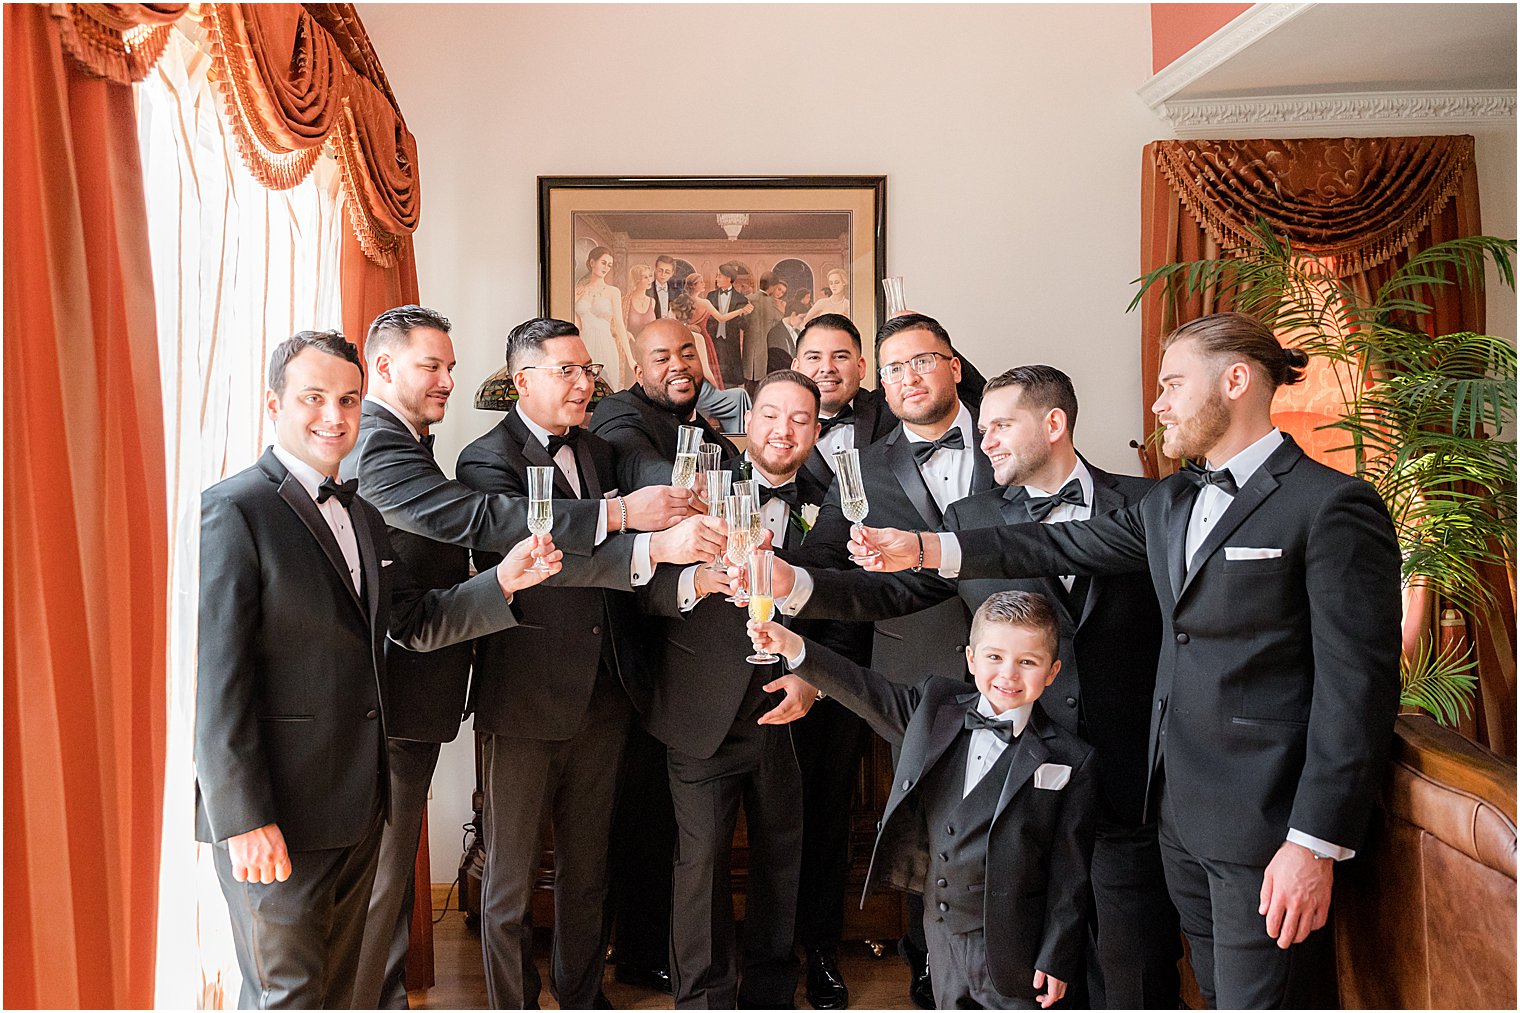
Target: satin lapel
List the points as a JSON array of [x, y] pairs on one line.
[[818, 469], [586, 465], [299, 500], [1106, 500], [1028, 753], [949, 721], [369, 565], [865, 420], [900, 456], [538, 456], [981, 472], [1261, 485], [1181, 507]]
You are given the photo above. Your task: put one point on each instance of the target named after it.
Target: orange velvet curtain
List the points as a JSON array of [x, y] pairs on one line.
[[1361, 205], [86, 553]]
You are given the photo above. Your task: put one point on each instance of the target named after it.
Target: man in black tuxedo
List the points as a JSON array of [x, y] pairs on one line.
[[662, 290], [726, 741], [433, 522], [1110, 639], [728, 335], [556, 694], [912, 475], [781, 340], [1277, 686], [299, 589], [829, 353]]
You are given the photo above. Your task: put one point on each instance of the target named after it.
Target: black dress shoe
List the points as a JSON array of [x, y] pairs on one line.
[[656, 978], [921, 988], [825, 985]]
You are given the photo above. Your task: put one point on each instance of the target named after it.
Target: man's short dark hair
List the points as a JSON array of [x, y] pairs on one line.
[[793, 306], [665, 258], [1026, 609], [331, 342], [528, 338], [394, 327], [830, 321], [791, 376], [913, 322], [1238, 337], [1042, 388], [731, 271]]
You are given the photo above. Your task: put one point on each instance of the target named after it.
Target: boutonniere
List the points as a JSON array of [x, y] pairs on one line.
[[805, 518]]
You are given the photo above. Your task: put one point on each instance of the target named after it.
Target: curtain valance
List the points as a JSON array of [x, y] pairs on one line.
[[296, 81], [118, 42], [1357, 200]]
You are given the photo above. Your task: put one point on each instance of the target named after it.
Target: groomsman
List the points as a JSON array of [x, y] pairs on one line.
[[912, 475], [1277, 685], [728, 335], [727, 742], [299, 589], [662, 289], [829, 353], [1110, 639], [433, 522], [556, 695]]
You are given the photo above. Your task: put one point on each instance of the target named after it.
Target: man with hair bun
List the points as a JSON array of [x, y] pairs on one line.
[[1277, 686]]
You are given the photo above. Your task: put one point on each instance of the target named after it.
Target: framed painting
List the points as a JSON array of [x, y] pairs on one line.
[[743, 261]]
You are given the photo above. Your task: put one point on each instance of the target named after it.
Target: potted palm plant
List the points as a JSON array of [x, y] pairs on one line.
[[1428, 418]]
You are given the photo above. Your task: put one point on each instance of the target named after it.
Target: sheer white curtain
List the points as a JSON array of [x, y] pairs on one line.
[[236, 269]]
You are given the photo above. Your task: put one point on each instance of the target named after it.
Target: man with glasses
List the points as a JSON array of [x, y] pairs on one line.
[[554, 704], [929, 461]]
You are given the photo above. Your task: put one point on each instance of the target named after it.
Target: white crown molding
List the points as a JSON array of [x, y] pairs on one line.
[[1247, 28], [1406, 110]]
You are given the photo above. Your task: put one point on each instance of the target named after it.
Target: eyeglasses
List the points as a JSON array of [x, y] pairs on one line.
[[573, 371], [923, 365]]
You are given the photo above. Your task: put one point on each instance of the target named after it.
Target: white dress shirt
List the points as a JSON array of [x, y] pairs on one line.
[[722, 304], [333, 511], [1068, 511], [1213, 501], [641, 567], [948, 473], [840, 437], [662, 293], [987, 747]]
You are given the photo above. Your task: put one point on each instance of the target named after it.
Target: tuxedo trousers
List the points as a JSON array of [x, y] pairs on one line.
[[1138, 937], [959, 971], [828, 742], [756, 767], [381, 982], [572, 784], [298, 942], [643, 839]]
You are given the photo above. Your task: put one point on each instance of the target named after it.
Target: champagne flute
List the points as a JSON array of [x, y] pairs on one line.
[[893, 289], [718, 483], [852, 492], [739, 533], [709, 458], [684, 473], [761, 605], [540, 506], [747, 487]]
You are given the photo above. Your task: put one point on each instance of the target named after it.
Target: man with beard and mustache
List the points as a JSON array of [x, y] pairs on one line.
[[912, 475], [1110, 639], [433, 523], [726, 740], [1277, 685], [829, 353]]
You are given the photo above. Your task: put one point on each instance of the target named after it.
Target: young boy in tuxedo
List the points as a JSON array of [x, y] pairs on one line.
[[992, 807]]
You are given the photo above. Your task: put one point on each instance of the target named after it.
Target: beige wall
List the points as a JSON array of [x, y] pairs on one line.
[[1010, 137]]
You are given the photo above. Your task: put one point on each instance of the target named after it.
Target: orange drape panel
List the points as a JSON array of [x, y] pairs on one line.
[[86, 554], [369, 289], [1411, 193]]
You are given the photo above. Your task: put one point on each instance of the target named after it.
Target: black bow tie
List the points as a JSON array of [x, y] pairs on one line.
[[786, 492], [1041, 506], [846, 414], [427, 442], [568, 440], [345, 491], [1003, 729], [951, 440], [1221, 479]]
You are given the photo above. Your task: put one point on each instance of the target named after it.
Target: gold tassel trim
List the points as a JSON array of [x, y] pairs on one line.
[[119, 56]]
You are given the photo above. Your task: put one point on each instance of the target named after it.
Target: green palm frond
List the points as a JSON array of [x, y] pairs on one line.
[[1441, 682]]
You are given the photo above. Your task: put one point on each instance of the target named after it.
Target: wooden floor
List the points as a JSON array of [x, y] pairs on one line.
[[874, 984]]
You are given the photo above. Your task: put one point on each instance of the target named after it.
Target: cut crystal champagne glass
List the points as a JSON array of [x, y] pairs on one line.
[[540, 506], [761, 605], [852, 491]]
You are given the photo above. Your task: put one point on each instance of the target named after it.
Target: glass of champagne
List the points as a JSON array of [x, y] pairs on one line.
[[852, 491], [718, 484], [540, 506], [739, 534], [747, 487], [684, 474], [761, 605], [897, 303]]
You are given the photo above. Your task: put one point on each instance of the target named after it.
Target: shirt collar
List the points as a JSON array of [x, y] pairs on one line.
[[376, 399], [962, 420], [1019, 716], [1244, 464], [539, 432], [1080, 473], [309, 477]]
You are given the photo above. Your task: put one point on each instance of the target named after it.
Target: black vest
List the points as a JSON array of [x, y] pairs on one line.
[[958, 829]]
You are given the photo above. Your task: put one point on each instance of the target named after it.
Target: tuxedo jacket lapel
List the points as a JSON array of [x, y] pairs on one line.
[[369, 564], [1028, 753], [900, 455], [981, 473], [1260, 485], [949, 722], [1183, 493], [538, 455], [295, 495], [586, 465]]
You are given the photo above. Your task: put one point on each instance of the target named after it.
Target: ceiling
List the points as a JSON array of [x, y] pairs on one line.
[[1337, 48], [692, 225]]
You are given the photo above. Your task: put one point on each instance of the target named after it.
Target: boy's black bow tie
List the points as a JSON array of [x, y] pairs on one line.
[[1003, 729]]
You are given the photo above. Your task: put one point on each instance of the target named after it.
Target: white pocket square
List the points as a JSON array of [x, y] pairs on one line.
[[1242, 552], [1052, 776], [386, 562]]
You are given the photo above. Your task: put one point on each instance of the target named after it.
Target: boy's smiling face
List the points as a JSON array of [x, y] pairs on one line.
[[1011, 664]]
